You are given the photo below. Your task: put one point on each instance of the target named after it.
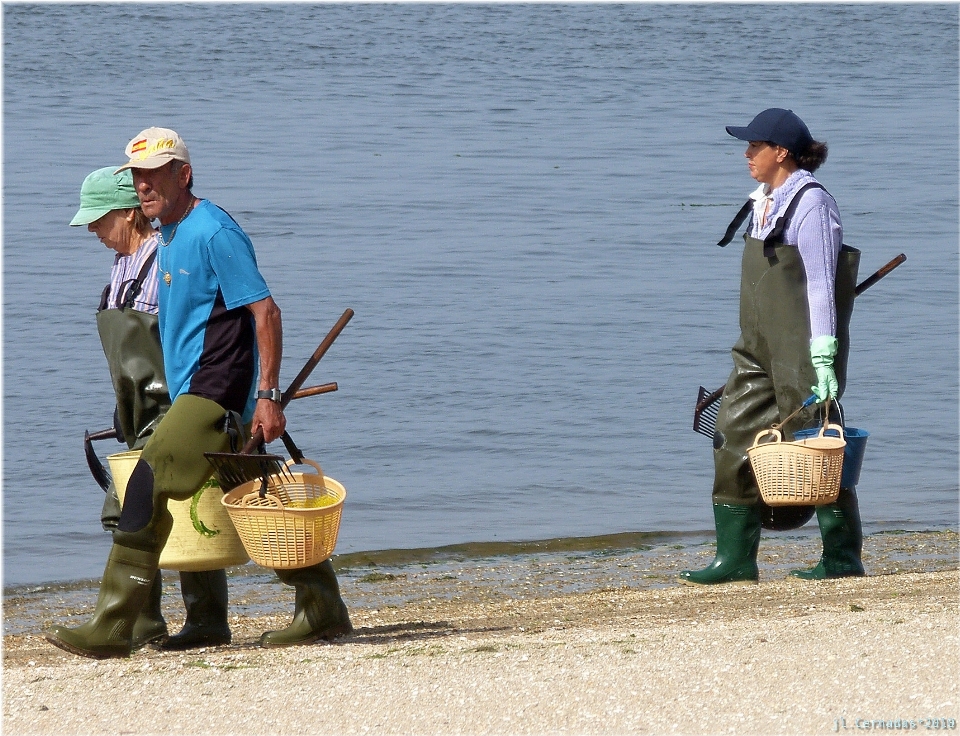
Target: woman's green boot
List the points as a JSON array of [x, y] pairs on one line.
[[319, 611], [205, 600], [842, 534], [738, 539]]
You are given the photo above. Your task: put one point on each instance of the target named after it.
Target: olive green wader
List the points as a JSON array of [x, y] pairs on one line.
[[772, 376], [171, 466], [131, 345], [319, 611]]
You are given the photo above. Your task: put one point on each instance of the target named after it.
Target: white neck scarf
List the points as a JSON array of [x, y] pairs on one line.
[[762, 198]]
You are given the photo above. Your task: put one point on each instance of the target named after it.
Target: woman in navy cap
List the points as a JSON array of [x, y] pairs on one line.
[[796, 298]]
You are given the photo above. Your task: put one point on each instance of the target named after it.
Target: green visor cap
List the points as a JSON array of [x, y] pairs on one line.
[[103, 191]]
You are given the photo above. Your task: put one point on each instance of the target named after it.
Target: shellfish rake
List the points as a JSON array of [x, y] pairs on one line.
[[706, 411], [233, 468]]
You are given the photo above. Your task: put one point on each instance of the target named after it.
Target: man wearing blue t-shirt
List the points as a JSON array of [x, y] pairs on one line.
[[217, 322]]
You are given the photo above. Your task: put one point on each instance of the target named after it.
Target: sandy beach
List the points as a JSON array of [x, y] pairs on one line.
[[507, 646]]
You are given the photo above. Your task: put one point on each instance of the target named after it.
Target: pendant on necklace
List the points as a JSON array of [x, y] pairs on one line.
[[167, 278]]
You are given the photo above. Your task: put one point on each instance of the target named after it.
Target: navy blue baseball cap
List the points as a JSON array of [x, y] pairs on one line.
[[776, 125]]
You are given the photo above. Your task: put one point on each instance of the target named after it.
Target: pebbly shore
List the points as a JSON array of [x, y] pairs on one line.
[[592, 640]]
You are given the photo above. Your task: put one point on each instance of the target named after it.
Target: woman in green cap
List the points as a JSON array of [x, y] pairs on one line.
[[129, 332], [796, 299]]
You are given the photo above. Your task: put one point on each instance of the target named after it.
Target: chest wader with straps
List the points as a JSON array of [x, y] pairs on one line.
[[131, 345], [771, 377]]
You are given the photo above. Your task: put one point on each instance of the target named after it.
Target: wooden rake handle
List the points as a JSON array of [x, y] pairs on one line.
[[871, 280], [304, 373], [323, 388], [709, 399]]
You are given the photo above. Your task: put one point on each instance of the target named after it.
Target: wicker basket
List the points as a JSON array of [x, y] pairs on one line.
[[798, 473], [280, 530]]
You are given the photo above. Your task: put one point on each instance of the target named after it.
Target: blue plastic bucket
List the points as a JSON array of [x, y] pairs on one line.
[[856, 440]]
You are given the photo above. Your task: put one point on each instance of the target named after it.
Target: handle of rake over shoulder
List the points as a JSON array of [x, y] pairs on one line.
[[302, 376], [97, 470], [871, 280], [705, 413]]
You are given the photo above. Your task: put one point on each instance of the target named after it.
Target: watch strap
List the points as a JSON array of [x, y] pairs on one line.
[[273, 394]]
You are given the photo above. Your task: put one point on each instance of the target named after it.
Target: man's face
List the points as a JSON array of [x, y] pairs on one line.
[[160, 190]]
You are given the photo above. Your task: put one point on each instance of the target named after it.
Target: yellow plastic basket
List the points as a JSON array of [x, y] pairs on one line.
[[202, 537], [802, 473], [295, 524]]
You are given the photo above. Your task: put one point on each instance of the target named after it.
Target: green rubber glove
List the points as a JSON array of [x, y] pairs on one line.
[[822, 351]]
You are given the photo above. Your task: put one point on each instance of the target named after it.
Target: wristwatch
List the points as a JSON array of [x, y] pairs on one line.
[[273, 394]]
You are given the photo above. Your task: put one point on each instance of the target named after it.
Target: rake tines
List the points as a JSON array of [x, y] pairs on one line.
[[705, 414], [234, 469]]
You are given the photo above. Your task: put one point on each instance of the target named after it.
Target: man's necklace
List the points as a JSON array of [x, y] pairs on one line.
[[167, 278]]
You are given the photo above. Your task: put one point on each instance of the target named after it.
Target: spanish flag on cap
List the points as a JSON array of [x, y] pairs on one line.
[[153, 148]]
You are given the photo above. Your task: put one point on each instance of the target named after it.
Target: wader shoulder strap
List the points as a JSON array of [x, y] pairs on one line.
[[104, 298], [735, 223], [776, 234], [135, 286]]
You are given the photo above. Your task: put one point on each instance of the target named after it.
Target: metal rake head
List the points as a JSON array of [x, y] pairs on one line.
[[705, 413], [234, 468]]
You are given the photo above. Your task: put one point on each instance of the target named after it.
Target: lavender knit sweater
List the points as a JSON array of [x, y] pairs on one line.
[[815, 229]]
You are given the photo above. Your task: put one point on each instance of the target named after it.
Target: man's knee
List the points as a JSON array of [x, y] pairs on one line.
[[138, 500]]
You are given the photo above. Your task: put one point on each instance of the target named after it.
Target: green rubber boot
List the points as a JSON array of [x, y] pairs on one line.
[[205, 598], [738, 539], [150, 626], [842, 535], [319, 611], [127, 581]]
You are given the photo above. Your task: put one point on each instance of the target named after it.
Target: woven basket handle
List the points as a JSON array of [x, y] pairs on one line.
[[254, 499], [774, 432], [306, 461]]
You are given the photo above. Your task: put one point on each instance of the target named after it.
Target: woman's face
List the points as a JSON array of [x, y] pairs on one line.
[[765, 162], [116, 231]]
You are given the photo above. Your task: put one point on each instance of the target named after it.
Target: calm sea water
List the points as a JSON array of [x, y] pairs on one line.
[[520, 202]]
